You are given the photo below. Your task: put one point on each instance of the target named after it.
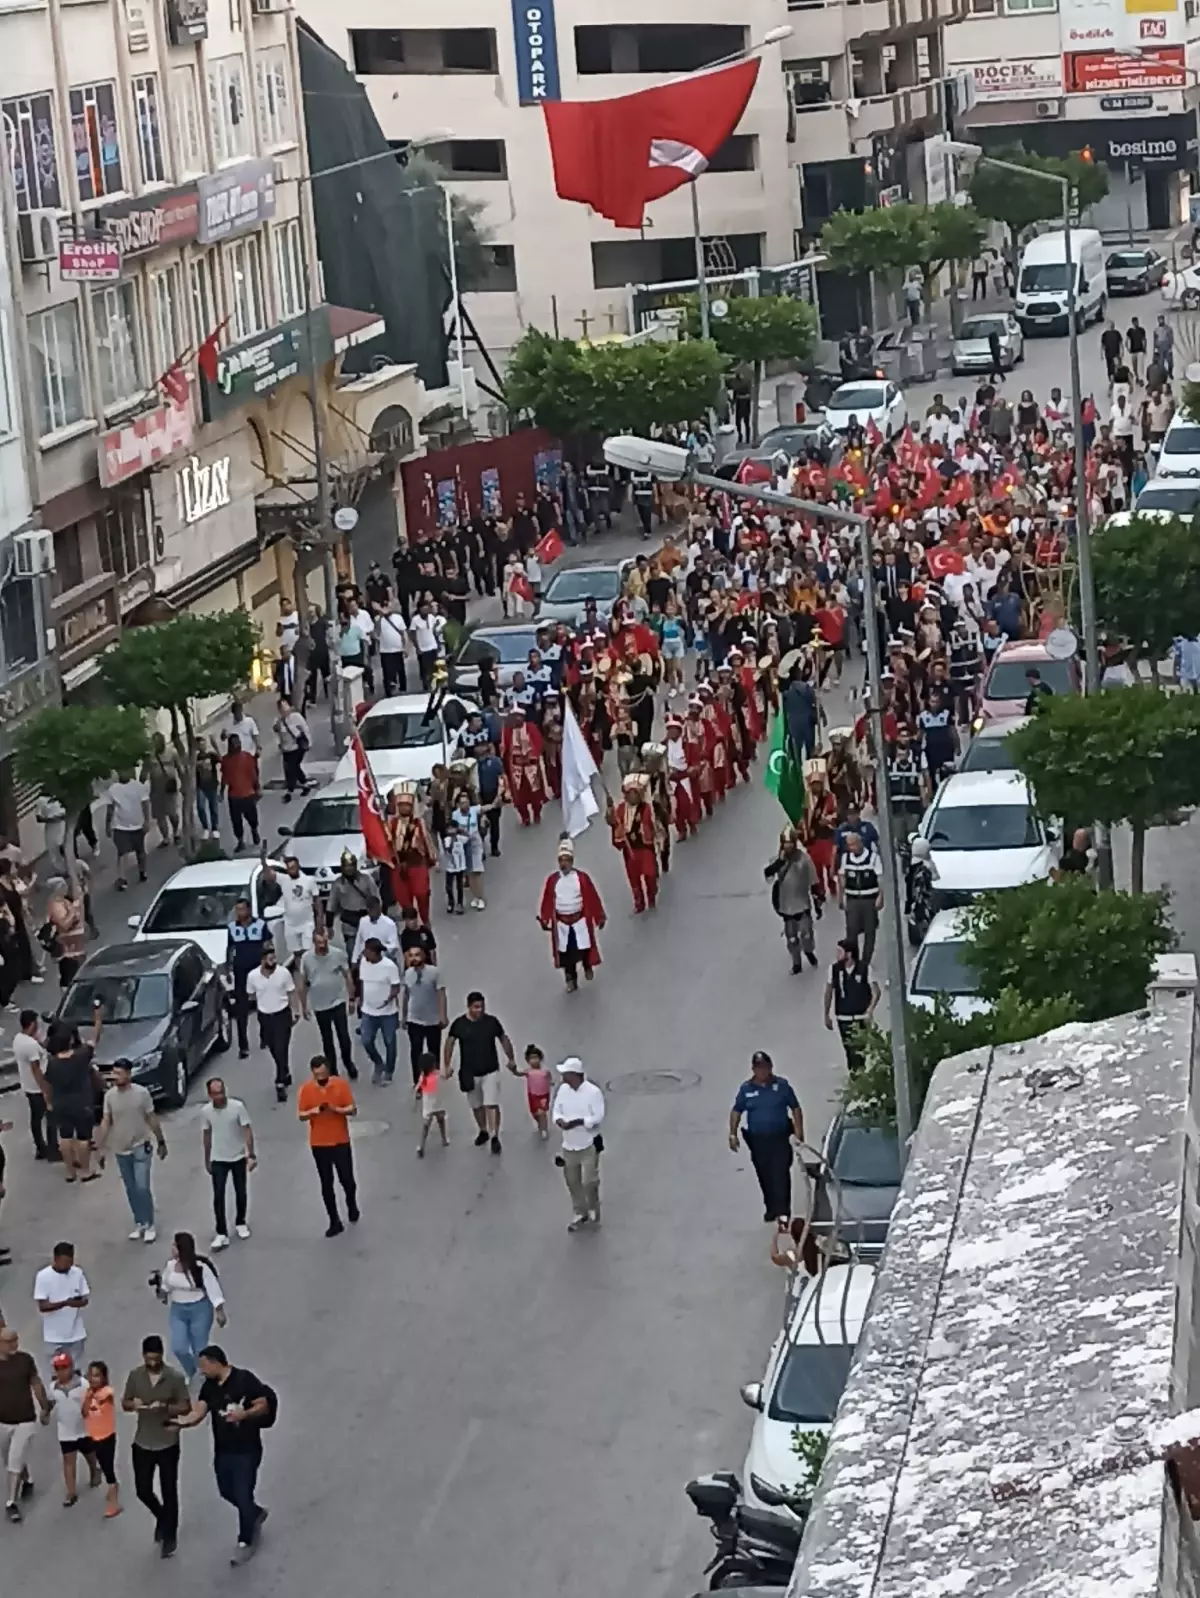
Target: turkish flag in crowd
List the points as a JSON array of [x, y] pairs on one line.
[[520, 585], [370, 809], [942, 560], [549, 547], [615, 155]]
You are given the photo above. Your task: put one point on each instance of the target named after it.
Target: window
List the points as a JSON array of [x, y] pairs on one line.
[[96, 141], [165, 289], [114, 309], [232, 133], [655, 46], [57, 354], [246, 285], [29, 131], [274, 101], [149, 135], [289, 268], [470, 158], [469, 49], [189, 130], [202, 285], [124, 539], [427, 51], [1016, 7], [739, 153], [18, 623], [500, 270]]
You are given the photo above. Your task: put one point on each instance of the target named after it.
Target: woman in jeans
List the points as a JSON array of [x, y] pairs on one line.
[[208, 789], [292, 732], [190, 1287]]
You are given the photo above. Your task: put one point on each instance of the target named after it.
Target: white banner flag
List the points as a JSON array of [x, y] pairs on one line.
[[578, 769]]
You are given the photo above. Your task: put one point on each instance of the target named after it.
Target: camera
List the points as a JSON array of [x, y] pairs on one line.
[[154, 1280]]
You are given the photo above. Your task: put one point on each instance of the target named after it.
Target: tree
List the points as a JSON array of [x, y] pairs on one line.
[[1131, 754], [611, 388], [1147, 581], [472, 255], [1019, 201], [169, 666], [772, 327], [67, 750], [895, 238], [1064, 941]]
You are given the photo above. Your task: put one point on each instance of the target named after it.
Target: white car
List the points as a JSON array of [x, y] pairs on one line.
[[404, 740], [1176, 496], [1179, 455], [1182, 288], [868, 399], [198, 903], [941, 969], [326, 828], [806, 1374], [973, 353], [984, 833]]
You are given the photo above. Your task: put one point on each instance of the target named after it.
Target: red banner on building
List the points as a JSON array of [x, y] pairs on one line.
[[1107, 72]]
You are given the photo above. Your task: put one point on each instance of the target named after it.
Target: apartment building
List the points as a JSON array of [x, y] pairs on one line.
[[158, 208], [1117, 76], [471, 89]]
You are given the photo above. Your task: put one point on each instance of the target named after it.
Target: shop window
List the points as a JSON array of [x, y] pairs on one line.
[[96, 140], [149, 134], [189, 130], [114, 310], [233, 135], [124, 539], [289, 268], [19, 624], [246, 287], [32, 154], [274, 101], [56, 352]]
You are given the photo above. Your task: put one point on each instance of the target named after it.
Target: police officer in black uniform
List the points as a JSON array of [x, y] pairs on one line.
[[850, 998], [643, 499], [904, 785]]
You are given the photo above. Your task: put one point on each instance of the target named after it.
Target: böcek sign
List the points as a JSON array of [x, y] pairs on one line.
[[203, 487]]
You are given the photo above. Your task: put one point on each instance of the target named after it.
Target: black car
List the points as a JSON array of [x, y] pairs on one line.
[[1134, 271], [857, 1185], [164, 1011]]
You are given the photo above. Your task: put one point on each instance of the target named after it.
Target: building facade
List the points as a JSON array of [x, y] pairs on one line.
[[1118, 77], [471, 89]]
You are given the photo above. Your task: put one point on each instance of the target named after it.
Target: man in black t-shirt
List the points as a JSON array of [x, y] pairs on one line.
[[414, 935], [239, 1405], [477, 1034]]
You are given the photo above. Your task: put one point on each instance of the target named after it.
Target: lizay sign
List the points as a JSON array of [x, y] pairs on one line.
[[537, 51], [203, 487]]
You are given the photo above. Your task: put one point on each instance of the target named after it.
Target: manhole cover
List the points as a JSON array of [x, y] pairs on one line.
[[653, 1082], [360, 1129]]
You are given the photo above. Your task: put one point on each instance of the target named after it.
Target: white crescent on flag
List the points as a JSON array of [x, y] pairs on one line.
[[777, 762], [673, 152]]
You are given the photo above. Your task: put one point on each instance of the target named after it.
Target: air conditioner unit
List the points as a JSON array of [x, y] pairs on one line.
[[38, 235], [1047, 110], [33, 554]]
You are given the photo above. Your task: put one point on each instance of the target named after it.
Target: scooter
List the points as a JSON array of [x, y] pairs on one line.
[[754, 1546]]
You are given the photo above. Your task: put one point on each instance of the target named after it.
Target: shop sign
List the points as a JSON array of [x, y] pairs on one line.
[[92, 621], [1028, 78], [202, 487], [154, 220], [187, 20], [1150, 152], [1126, 102], [23, 695], [88, 260], [236, 200], [255, 368], [1104, 71], [1086, 25], [139, 444]]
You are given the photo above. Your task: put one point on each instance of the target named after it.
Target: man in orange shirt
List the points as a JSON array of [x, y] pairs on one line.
[[239, 784], [327, 1104]]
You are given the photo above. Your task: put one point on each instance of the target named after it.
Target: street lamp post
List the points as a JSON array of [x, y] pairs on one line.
[[671, 463]]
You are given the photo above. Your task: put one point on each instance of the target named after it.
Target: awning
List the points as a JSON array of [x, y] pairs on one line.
[[351, 328]]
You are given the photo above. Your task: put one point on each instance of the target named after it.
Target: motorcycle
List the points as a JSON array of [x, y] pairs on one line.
[[754, 1546], [918, 889]]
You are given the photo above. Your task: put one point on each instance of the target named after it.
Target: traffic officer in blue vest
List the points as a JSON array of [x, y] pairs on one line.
[[773, 1115], [247, 935]]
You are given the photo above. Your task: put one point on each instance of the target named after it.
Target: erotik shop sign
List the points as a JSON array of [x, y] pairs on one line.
[[154, 221]]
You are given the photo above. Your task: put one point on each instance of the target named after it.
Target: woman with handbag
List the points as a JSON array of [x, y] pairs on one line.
[[295, 740], [190, 1287], [64, 933]]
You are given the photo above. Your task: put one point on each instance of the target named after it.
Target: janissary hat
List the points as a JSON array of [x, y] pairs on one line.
[[634, 780]]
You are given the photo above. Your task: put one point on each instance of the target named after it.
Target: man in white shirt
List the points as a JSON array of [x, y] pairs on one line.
[[375, 924], [127, 1128], [61, 1293], [379, 1008], [228, 1152], [126, 822], [578, 1113], [30, 1059], [244, 728], [300, 896], [427, 639], [393, 645], [287, 629], [272, 989]]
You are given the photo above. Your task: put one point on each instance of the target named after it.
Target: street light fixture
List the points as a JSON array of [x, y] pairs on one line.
[[670, 463]]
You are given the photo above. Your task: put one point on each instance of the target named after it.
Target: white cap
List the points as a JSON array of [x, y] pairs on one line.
[[572, 1066]]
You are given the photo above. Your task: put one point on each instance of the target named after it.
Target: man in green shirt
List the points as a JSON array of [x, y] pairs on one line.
[[156, 1392], [326, 988]]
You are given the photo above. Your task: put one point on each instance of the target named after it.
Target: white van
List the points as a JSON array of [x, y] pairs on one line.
[[1042, 281]]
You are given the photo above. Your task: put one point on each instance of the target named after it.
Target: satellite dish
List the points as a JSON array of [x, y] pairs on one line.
[[345, 518], [1061, 644], [719, 308]]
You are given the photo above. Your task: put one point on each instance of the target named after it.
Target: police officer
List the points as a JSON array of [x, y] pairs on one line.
[[643, 499], [940, 735], [860, 894], [247, 936], [966, 666], [773, 1114], [904, 784], [850, 998]]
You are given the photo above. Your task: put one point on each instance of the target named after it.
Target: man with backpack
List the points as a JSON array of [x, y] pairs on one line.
[[242, 1408]]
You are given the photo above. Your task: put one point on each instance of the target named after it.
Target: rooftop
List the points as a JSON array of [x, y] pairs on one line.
[[1019, 1347]]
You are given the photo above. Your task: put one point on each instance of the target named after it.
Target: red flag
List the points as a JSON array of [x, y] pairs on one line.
[[873, 435], [174, 384], [370, 809], [615, 155], [549, 547], [753, 471], [942, 560], [206, 355], [520, 585], [906, 450]]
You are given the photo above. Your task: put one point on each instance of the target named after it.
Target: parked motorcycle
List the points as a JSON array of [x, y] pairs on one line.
[[918, 888], [754, 1546]]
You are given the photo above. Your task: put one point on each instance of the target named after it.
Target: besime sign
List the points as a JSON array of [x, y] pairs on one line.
[[203, 487]]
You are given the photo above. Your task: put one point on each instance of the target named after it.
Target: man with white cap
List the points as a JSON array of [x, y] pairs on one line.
[[571, 912], [578, 1112], [633, 833]]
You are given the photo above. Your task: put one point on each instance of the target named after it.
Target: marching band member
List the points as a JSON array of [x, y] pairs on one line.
[[521, 750], [571, 912], [413, 848], [683, 781], [633, 833]]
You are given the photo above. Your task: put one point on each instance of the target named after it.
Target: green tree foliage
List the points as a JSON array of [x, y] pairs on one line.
[[772, 327], [472, 254], [896, 237], [67, 750], [611, 388], [1062, 941], [169, 666], [1147, 580], [1019, 201], [1131, 754]]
